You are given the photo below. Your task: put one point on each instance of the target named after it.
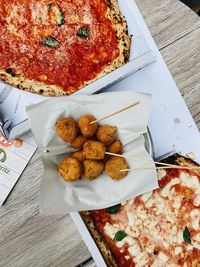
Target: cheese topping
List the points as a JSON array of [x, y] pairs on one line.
[[195, 219], [178, 250], [146, 196], [111, 230], [158, 221], [166, 190], [193, 183], [161, 173]]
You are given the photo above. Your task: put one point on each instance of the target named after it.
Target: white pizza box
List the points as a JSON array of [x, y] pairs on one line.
[[171, 124], [13, 102]]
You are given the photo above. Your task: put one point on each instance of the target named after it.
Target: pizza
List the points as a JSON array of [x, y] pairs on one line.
[[55, 48], [157, 229]]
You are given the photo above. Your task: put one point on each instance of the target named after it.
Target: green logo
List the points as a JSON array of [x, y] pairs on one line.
[[3, 155]]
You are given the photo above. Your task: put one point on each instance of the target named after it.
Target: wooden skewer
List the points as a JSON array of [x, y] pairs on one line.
[[115, 113], [156, 162], [135, 158], [164, 167]]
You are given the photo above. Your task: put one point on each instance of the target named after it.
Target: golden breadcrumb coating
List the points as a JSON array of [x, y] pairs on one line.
[[79, 142], [92, 168], [70, 169], [113, 166], [94, 150], [78, 155], [106, 134], [115, 147], [87, 129], [66, 129]]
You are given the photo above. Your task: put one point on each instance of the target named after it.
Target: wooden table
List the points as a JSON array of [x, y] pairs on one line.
[[29, 239]]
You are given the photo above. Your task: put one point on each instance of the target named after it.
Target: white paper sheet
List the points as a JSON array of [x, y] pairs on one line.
[[58, 196]]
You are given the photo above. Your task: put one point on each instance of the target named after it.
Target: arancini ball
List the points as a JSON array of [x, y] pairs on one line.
[[113, 166], [88, 130], [92, 168], [70, 169], [115, 147], [106, 134], [79, 142], [94, 150], [66, 129], [78, 155]]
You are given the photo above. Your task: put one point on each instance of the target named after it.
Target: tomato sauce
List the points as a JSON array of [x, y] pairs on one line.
[[171, 174], [25, 24], [171, 222], [100, 218]]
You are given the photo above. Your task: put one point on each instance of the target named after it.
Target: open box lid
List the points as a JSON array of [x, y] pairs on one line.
[[13, 102]]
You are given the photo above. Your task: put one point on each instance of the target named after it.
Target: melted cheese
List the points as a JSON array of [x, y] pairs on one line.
[[158, 222], [163, 257], [13, 19], [111, 230], [39, 13], [134, 248], [166, 190], [146, 196], [141, 259], [161, 173], [195, 219], [129, 240], [178, 250], [193, 183], [131, 218]]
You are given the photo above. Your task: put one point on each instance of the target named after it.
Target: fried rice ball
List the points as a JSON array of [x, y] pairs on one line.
[[78, 155], [94, 150], [79, 142], [106, 134], [88, 130], [66, 129], [115, 147], [92, 168], [113, 167], [70, 169]]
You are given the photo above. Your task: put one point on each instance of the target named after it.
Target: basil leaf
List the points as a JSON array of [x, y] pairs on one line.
[[83, 32], [113, 209], [120, 235], [60, 18], [10, 71], [186, 236], [50, 41], [49, 7]]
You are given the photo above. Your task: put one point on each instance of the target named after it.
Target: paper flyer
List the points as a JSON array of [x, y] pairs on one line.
[[14, 156]]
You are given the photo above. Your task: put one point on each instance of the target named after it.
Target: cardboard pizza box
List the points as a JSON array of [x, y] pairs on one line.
[[13, 102]]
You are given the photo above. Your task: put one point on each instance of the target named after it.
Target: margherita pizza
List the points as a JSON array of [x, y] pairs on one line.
[[157, 229], [56, 47]]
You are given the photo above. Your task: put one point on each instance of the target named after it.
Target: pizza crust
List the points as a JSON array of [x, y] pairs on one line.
[[175, 159], [103, 247], [119, 24], [31, 86]]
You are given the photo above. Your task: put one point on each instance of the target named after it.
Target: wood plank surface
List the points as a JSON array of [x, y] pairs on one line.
[[167, 20], [29, 239], [183, 60]]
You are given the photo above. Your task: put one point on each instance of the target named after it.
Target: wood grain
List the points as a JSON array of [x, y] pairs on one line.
[[167, 20], [29, 239], [183, 60]]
